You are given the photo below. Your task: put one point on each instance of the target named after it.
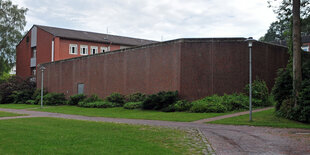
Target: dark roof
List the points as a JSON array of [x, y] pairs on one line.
[[95, 37], [304, 39]]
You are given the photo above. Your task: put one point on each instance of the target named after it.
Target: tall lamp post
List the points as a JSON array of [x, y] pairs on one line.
[[42, 68], [250, 41]]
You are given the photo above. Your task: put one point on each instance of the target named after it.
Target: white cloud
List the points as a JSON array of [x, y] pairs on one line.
[[152, 19]]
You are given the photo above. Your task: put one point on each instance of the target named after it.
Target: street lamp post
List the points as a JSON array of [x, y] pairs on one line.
[[42, 68], [250, 41]]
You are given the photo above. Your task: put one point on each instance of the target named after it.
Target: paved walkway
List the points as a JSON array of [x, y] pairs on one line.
[[225, 139]]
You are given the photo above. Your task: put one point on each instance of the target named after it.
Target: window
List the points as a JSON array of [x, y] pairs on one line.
[[84, 50], [34, 53], [305, 48], [33, 71], [103, 49], [94, 49], [73, 48]]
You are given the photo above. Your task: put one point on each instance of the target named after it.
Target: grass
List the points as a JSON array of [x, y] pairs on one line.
[[62, 136], [8, 114], [263, 118], [131, 114], [18, 106]]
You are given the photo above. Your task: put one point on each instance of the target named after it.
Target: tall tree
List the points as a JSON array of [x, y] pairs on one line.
[[12, 22], [281, 30], [297, 78]]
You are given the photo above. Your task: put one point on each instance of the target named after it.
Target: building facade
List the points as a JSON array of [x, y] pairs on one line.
[[305, 43], [44, 44], [194, 67]]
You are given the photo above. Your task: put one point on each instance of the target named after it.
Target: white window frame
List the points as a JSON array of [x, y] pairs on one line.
[[305, 48], [75, 47], [93, 48], [103, 48], [84, 47]]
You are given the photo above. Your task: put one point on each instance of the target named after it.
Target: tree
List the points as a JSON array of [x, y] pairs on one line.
[[12, 22], [297, 78], [281, 30]]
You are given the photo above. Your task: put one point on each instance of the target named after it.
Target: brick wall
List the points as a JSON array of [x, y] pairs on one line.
[[194, 67]]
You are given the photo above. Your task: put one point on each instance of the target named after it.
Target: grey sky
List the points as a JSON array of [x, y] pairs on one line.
[[149, 19]]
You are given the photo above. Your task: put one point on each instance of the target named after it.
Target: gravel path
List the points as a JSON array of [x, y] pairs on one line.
[[230, 115], [225, 139]]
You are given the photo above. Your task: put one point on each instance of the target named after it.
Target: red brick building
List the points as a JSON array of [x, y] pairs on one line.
[[194, 67], [44, 44], [305, 40]]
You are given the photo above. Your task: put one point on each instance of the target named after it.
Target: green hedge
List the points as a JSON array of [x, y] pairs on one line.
[[96, 104], [133, 105]]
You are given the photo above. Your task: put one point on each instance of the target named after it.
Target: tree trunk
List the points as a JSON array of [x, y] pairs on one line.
[[297, 78]]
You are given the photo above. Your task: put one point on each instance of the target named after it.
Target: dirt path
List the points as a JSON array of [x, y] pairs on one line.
[[225, 139], [230, 115]]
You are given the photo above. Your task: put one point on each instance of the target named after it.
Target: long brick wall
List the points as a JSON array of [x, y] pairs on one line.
[[194, 67]]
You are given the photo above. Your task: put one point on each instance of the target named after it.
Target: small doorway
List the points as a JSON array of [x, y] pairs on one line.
[[80, 88]]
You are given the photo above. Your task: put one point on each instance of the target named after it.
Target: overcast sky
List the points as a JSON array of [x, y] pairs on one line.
[[154, 19]]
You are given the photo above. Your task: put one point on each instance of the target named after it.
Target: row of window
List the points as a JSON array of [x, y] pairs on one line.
[[73, 49]]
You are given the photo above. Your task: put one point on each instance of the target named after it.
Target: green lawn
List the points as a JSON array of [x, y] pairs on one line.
[[263, 118], [18, 106], [62, 136], [132, 114], [8, 114]]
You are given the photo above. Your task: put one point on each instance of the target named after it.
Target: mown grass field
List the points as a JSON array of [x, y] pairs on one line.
[[8, 114], [263, 118], [18, 106], [61, 136]]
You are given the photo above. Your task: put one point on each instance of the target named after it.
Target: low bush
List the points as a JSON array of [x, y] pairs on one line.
[[116, 98], [135, 97], [160, 100], [37, 96], [21, 96], [96, 104], [235, 102], [75, 99], [92, 98], [182, 105], [54, 99], [30, 102], [133, 105], [259, 90], [208, 105]]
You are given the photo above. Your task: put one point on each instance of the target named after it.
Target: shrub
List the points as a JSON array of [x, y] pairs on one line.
[[92, 98], [75, 99], [160, 100], [136, 97], [282, 92], [133, 105], [259, 90], [54, 99], [170, 108], [283, 87], [201, 106], [15, 83], [116, 98], [21, 96], [30, 102], [182, 105], [235, 102], [37, 96], [96, 104]]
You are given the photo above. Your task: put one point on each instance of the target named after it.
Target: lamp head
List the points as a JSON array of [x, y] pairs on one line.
[[250, 41]]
